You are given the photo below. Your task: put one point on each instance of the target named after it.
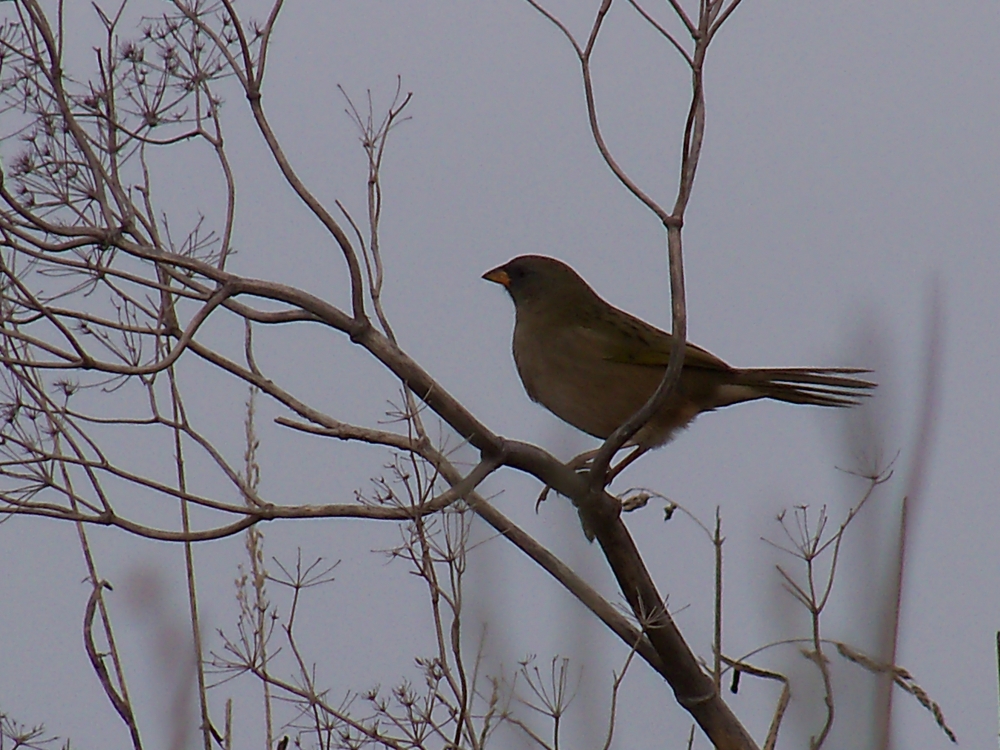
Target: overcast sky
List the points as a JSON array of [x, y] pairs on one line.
[[851, 165]]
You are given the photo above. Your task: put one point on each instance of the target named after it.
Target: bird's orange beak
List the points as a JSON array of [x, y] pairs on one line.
[[498, 276]]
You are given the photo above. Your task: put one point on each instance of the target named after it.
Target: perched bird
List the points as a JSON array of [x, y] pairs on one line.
[[594, 365]]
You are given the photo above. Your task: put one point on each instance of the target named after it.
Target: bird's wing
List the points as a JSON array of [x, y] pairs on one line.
[[633, 341]]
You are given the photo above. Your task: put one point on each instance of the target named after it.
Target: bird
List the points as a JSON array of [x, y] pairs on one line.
[[594, 365]]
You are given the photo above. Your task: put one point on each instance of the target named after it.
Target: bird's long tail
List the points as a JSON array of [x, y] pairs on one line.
[[819, 386]]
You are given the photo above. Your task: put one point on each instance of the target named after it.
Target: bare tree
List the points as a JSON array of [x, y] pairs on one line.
[[104, 319]]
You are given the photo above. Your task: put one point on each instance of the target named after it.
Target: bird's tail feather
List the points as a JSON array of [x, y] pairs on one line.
[[819, 386]]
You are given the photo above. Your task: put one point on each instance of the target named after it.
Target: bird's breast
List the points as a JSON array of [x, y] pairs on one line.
[[564, 368]]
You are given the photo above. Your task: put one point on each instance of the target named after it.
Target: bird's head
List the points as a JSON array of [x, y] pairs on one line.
[[535, 281]]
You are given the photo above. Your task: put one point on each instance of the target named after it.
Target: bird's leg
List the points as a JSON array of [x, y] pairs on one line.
[[617, 469], [577, 463], [583, 461]]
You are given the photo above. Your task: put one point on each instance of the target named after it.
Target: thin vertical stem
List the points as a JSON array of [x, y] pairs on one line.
[[178, 416], [921, 458], [717, 541]]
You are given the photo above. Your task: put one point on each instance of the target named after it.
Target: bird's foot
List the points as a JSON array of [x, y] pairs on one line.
[[581, 464], [542, 498]]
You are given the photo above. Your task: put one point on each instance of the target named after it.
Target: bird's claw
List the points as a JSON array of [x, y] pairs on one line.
[[542, 498]]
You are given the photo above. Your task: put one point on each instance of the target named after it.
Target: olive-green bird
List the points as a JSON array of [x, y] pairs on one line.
[[594, 365]]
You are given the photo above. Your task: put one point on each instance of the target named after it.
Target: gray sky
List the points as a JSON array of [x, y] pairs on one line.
[[851, 161]]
